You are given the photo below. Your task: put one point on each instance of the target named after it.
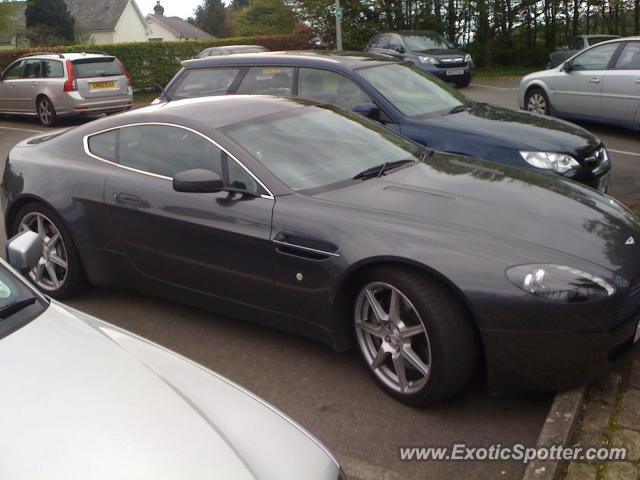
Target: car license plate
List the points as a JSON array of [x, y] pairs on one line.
[[455, 71], [637, 336], [103, 85]]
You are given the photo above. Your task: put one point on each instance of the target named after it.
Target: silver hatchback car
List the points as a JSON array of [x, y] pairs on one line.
[[601, 83], [59, 85]]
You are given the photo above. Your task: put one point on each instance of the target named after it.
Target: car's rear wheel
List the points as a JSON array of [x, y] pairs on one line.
[[46, 111], [418, 343], [536, 101], [58, 271]]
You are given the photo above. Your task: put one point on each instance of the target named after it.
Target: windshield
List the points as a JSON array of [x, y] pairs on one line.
[[309, 148], [18, 303], [426, 41], [413, 92]]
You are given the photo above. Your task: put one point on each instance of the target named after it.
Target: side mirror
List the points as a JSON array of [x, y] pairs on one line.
[[197, 181], [566, 67], [24, 250], [399, 49], [368, 110]]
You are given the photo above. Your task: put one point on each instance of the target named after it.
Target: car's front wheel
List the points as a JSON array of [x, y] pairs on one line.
[[46, 111], [58, 272], [537, 101], [463, 83], [416, 340]]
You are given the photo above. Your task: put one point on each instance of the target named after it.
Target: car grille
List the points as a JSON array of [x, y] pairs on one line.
[[451, 62], [597, 160], [631, 307]]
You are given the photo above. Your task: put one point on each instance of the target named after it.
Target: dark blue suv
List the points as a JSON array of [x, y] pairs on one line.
[[407, 100]]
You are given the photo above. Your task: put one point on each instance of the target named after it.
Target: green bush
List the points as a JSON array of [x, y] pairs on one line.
[[151, 63]]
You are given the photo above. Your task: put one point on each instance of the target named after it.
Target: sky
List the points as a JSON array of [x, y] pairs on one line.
[[172, 8]]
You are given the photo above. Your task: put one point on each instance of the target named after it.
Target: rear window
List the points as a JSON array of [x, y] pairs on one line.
[[97, 67]]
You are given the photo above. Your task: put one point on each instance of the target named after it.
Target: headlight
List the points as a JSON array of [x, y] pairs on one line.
[[559, 283], [430, 60], [558, 162], [467, 57]]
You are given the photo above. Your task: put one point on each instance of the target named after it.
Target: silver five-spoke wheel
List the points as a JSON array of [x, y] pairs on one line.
[[52, 268], [392, 338]]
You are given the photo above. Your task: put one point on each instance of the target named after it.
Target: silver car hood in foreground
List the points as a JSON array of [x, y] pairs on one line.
[[82, 399]]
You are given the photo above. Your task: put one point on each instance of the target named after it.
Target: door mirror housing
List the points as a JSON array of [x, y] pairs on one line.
[[566, 67], [369, 110], [24, 251], [197, 180]]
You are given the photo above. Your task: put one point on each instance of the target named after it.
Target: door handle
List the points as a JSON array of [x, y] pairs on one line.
[[34, 84], [127, 199], [594, 80]]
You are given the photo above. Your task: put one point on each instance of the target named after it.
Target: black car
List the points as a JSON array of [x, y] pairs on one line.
[[408, 101], [427, 50], [323, 223]]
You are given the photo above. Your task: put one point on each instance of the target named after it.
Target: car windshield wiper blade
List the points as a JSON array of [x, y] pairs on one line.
[[379, 170], [459, 108], [15, 307]]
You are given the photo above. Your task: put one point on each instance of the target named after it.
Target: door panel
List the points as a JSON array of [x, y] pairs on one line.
[[27, 87], [621, 86], [9, 100]]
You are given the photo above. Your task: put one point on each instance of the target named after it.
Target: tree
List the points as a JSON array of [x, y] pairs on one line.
[[49, 22], [266, 17], [210, 17]]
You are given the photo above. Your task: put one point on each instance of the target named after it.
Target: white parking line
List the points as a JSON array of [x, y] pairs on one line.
[[23, 129], [623, 152], [493, 86]]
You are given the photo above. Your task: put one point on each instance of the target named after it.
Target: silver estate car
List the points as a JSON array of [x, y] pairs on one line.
[[59, 85], [84, 399], [601, 83]]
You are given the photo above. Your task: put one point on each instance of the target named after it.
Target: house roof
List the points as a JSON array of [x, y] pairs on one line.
[[180, 27], [92, 15]]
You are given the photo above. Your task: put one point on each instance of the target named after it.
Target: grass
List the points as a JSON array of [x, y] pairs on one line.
[[144, 97], [637, 211], [505, 71]]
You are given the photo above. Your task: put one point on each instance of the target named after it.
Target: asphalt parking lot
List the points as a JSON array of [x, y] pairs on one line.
[[331, 394]]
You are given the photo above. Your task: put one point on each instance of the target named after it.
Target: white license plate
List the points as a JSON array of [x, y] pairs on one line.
[[455, 71], [637, 337]]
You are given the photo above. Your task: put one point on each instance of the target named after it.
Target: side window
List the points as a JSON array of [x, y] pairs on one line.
[[52, 69], [595, 59], [203, 82], [268, 81], [32, 69], [395, 43], [166, 150], [329, 87], [14, 71], [383, 42], [577, 44], [103, 145], [630, 57], [373, 42]]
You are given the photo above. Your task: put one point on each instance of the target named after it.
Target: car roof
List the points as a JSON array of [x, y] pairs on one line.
[[595, 35], [347, 60], [66, 56], [414, 32]]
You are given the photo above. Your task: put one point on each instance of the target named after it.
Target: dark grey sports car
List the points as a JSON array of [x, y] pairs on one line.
[[323, 223]]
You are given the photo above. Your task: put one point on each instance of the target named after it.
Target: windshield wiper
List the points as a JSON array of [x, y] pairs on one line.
[[379, 170], [15, 307], [459, 108]]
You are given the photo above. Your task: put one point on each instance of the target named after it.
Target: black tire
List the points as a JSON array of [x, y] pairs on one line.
[[46, 111], [450, 336], [536, 95], [73, 279], [463, 83]]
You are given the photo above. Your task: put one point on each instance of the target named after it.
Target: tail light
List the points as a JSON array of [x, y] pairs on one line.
[[71, 85], [126, 72]]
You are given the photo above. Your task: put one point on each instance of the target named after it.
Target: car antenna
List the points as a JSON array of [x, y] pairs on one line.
[[163, 91]]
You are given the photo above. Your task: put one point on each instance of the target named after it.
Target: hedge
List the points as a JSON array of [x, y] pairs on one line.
[[151, 63]]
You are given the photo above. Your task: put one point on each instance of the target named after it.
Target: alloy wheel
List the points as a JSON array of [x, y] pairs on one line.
[[51, 270], [45, 110], [392, 338], [537, 104]]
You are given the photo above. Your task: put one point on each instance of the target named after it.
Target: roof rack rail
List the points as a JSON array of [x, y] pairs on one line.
[[42, 53], [97, 52]]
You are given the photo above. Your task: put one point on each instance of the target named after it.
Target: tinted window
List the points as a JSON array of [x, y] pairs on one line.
[[97, 67], [595, 59], [412, 91], [328, 87], [14, 71], [103, 145], [596, 40], [578, 44], [32, 69], [204, 82], [267, 81], [52, 69], [427, 41], [293, 145], [630, 57]]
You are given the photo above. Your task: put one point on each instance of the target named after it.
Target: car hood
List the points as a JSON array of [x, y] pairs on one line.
[[515, 129], [84, 399], [523, 208]]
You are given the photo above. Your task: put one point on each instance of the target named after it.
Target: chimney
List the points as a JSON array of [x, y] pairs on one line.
[[158, 9]]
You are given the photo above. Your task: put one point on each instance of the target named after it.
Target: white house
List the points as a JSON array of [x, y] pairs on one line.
[[172, 29]]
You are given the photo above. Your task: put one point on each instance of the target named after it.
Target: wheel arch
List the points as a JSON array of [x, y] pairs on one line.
[[537, 84], [343, 292], [20, 202]]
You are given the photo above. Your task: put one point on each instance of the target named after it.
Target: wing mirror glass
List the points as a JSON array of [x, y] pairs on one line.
[[24, 251], [566, 67], [399, 49], [368, 110], [197, 181]]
